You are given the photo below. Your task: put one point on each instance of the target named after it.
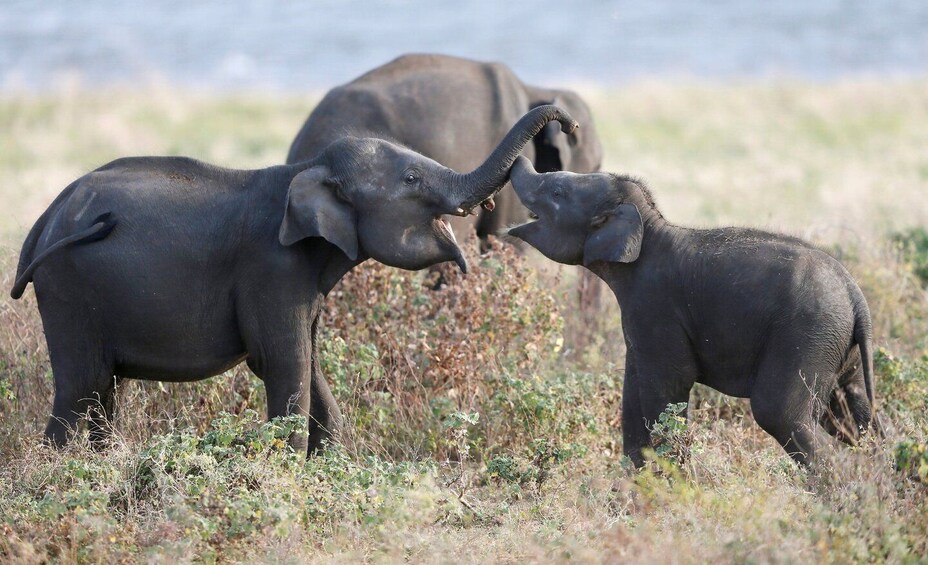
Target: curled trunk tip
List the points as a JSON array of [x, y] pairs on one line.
[[568, 124], [487, 179], [550, 113]]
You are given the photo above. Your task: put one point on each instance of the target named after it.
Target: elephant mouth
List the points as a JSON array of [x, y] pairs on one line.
[[531, 214], [443, 227], [519, 230]]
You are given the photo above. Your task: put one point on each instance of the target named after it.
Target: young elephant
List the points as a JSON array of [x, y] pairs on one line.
[[748, 313], [170, 269]]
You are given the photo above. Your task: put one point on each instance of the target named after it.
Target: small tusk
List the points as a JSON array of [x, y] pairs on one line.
[[460, 211]]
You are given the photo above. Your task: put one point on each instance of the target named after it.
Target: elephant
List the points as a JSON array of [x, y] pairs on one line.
[[170, 269], [449, 93], [751, 314]]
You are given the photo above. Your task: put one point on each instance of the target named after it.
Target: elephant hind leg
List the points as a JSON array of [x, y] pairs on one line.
[[83, 375], [787, 403], [798, 434], [62, 424], [849, 411], [76, 393], [102, 414]]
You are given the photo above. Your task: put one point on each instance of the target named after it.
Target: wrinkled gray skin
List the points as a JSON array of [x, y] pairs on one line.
[[751, 314], [167, 268], [462, 108]]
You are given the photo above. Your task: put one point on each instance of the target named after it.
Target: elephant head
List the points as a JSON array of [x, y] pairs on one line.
[[580, 153], [582, 218], [374, 198]]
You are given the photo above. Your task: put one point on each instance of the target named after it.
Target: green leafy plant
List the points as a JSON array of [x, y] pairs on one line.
[[6, 391], [405, 358], [670, 434], [912, 459], [902, 390], [913, 246]]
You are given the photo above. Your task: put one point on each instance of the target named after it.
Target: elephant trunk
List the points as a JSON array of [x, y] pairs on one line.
[[469, 190]]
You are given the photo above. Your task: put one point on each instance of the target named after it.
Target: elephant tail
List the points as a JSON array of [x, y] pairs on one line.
[[102, 226], [863, 336]]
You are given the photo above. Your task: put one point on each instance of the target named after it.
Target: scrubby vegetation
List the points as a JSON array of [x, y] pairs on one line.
[[913, 244], [483, 418]]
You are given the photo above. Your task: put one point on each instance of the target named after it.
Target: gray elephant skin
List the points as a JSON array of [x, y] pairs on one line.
[[167, 268], [751, 314], [464, 107]]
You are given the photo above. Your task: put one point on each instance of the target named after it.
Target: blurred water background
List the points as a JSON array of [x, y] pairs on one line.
[[220, 45]]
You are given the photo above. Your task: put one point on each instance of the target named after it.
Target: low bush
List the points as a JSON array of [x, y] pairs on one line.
[[902, 391], [913, 247], [211, 495], [405, 357]]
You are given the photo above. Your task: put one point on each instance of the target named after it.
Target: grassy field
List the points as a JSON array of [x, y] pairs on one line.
[[483, 419]]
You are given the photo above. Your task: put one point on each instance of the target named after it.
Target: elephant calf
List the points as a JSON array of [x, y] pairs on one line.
[[170, 269], [751, 314]]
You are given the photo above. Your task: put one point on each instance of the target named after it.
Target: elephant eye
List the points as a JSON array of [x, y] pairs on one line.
[[411, 178], [599, 221]]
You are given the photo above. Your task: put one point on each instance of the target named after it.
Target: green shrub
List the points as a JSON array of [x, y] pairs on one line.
[[671, 437], [403, 358], [912, 459], [913, 246], [902, 391], [239, 481]]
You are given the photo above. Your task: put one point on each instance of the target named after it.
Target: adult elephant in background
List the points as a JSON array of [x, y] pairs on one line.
[[166, 268], [454, 111]]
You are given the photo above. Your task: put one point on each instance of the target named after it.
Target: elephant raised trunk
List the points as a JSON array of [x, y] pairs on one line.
[[469, 190]]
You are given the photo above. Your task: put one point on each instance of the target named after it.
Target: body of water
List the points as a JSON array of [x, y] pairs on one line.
[[310, 45]]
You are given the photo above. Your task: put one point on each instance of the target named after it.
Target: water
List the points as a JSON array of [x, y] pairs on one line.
[[289, 45]]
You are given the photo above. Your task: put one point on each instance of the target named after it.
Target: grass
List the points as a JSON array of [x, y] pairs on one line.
[[483, 420]]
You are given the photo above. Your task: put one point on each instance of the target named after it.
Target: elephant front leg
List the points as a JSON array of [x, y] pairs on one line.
[[278, 320], [325, 419], [647, 392], [287, 382], [635, 436]]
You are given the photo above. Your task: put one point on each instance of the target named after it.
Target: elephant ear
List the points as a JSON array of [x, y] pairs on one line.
[[314, 210], [618, 240]]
